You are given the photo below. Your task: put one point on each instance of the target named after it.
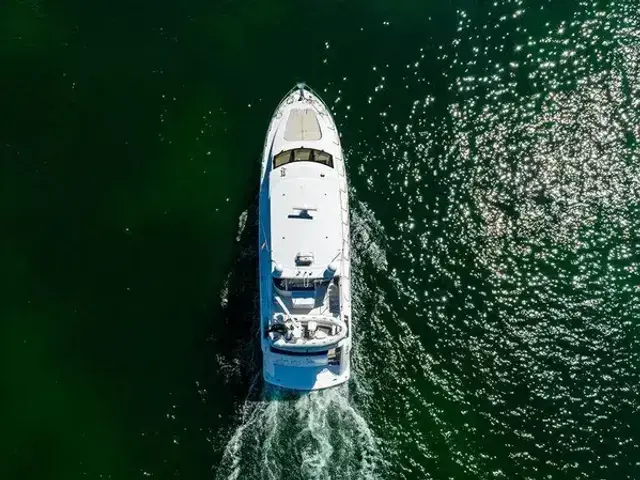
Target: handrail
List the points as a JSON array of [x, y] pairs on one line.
[[264, 234]]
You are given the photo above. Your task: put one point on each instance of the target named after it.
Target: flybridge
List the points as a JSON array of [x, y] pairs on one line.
[[306, 223]]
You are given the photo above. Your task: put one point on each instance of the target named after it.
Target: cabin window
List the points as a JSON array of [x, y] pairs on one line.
[[303, 155], [282, 158], [323, 157]]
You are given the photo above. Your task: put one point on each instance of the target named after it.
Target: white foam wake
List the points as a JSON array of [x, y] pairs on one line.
[[317, 435]]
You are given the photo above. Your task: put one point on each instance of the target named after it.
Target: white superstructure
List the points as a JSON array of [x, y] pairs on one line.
[[305, 290]]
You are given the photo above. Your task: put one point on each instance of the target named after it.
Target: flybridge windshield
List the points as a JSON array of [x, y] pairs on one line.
[[299, 284], [303, 155]]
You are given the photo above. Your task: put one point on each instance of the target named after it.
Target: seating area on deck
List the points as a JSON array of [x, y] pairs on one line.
[[323, 300]]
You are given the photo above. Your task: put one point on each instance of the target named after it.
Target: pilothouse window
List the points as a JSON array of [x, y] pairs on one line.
[[303, 155]]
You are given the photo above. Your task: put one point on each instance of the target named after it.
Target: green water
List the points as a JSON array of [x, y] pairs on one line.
[[495, 190]]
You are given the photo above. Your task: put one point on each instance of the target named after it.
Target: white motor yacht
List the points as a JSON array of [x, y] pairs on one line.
[[304, 248]]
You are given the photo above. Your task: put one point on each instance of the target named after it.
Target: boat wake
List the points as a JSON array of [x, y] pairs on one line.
[[317, 435]]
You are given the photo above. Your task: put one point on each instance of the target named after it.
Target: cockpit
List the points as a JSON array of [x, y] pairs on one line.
[[320, 295]]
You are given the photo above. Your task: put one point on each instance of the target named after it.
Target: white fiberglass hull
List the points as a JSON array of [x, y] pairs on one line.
[[304, 248]]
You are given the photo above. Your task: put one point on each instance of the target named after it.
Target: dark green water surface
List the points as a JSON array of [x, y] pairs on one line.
[[492, 151]]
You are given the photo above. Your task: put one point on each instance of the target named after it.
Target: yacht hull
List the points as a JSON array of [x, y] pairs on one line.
[[304, 248]]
